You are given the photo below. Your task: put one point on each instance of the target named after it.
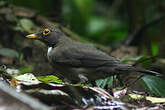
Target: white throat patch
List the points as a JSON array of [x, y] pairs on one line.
[[49, 50]]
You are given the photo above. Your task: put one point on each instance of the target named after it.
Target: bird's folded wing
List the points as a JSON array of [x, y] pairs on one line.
[[83, 58]]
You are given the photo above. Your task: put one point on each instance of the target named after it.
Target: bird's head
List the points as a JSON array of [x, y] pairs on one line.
[[47, 35]]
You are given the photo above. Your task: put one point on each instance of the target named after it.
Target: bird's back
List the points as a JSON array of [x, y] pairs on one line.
[[78, 61]]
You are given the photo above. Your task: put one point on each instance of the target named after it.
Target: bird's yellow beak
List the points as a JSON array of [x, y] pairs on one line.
[[32, 36]]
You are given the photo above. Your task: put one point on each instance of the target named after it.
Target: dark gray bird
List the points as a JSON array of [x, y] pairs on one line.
[[79, 62]]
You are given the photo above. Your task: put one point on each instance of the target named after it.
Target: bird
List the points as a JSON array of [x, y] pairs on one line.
[[79, 62]]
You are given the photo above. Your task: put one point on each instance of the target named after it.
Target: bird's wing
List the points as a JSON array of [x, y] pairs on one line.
[[91, 57], [83, 57]]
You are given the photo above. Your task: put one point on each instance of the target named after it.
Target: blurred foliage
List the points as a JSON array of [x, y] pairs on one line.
[[103, 23], [26, 69], [80, 17], [105, 82], [9, 52], [155, 49], [37, 5], [154, 85], [78, 14], [34, 4], [27, 25], [143, 60]]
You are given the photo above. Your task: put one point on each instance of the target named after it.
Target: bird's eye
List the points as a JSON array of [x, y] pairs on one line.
[[46, 32]]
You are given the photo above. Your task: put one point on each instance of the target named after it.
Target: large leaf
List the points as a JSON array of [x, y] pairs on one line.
[[9, 52], [154, 85]]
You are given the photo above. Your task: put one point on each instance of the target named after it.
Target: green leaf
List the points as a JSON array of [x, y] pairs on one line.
[[48, 79], [154, 85], [27, 24], [9, 53], [103, 82]]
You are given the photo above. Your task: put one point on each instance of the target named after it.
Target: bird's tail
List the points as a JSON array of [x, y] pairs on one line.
[[149, 72], [139, 69], [145, 71]]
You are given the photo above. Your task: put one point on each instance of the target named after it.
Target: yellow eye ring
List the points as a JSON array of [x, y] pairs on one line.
[[46, 32]]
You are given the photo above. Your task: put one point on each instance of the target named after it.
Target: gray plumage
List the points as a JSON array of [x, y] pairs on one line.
[[79, 62]]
